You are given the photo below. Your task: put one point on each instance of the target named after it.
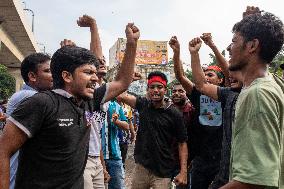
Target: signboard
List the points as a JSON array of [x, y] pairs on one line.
[[138, 87], [148, 52]]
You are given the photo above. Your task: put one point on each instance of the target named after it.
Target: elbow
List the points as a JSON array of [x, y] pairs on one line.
[[200, 86]]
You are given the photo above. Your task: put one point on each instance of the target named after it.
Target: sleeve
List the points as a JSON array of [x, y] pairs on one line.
[[255, 151], [141, 102], [193, 97], [180, 129], [222, 93], [122, 116], [30, 114], [99, 96]]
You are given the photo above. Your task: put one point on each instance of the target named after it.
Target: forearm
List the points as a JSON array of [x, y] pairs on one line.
[[126, 70], [102, 158], [177, 66], [197, 72], [122, 124], [95, 45], [238, 185], [4, 171], [131, 127], [179, 73], [183, 155], [221, 61]]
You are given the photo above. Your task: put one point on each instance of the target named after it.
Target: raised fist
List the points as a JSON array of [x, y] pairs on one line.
[[207, 39], [67, 42], [174, 44], [251, 10], [86, 21], [132, 33], [194, 45]]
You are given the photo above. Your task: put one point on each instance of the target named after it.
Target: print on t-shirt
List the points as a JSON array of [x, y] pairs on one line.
[[210, 111]]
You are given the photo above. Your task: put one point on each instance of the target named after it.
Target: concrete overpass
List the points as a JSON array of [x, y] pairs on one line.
[[16, 38]]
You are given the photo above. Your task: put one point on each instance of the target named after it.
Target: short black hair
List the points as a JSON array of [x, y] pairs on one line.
[[157, 73], [30, 64], [68, 58], [267, 28]]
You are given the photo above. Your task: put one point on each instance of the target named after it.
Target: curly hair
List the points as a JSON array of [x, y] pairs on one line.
[[267, 28], [68, 58], [30, 64]]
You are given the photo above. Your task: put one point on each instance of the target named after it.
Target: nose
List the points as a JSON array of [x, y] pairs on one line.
[[207, 78], [228, 48], [94, 78]]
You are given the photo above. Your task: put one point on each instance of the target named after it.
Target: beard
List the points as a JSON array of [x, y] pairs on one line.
[[237, 67], [179, 103]]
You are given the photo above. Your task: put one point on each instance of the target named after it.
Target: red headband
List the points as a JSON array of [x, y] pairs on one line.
[[157, 79], [214, 68]]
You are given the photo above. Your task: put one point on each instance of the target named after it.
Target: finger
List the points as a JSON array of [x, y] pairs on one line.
[[134, 29], [130, 25]]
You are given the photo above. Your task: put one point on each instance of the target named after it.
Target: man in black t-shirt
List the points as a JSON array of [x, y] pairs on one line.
[[51, 128], [227, 96], [205, 135], [160, 124]]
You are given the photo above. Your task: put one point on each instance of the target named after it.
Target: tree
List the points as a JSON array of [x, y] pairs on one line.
[[213, 58], [276, 62], [7, 83]]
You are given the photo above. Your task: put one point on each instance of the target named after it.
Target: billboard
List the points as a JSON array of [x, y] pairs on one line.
[[148, 52]]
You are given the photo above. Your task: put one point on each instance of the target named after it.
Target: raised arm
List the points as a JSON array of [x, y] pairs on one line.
[[221, 61], [179, 73], [11, 140], [201, 83], [125, 73], [95, 45], [127, 99]]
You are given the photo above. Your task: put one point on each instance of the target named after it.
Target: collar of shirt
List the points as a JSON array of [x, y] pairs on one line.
[[63, 93], [164, 106], [26, 87]]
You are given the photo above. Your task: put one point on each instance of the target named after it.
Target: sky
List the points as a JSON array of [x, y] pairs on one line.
[[156, 19]]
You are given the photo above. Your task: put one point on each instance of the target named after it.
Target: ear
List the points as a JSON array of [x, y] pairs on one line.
[[67, 76], [253, 45], [32, 76]]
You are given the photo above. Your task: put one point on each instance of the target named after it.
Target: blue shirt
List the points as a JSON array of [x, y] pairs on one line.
[[13, 103], [110, 142]]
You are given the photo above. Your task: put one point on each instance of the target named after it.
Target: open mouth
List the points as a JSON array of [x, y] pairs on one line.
[[91, 86], [155, 96]]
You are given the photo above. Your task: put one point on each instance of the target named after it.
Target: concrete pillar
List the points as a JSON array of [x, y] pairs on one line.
[[16, 73]]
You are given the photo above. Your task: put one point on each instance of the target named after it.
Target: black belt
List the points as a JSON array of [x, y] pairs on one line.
[[93, 157]]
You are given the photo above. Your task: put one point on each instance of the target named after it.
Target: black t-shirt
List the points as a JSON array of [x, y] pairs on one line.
[[228, 97], [205, 136], [55, 154], [157, 130]]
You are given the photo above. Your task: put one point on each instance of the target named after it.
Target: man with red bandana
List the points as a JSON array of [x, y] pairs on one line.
[[160, 124], [205, 133]]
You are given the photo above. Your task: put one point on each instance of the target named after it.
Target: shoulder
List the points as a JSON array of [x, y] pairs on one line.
[[21, 95], [142, 101], [174, 111], [263, 88]]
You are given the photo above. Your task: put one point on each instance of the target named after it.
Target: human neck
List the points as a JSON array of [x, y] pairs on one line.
[[78, 100], [100, 80], [253, 71], [158, 104], [180, 106]]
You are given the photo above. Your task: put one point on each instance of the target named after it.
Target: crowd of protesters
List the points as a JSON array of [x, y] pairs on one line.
[[70, 128]]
